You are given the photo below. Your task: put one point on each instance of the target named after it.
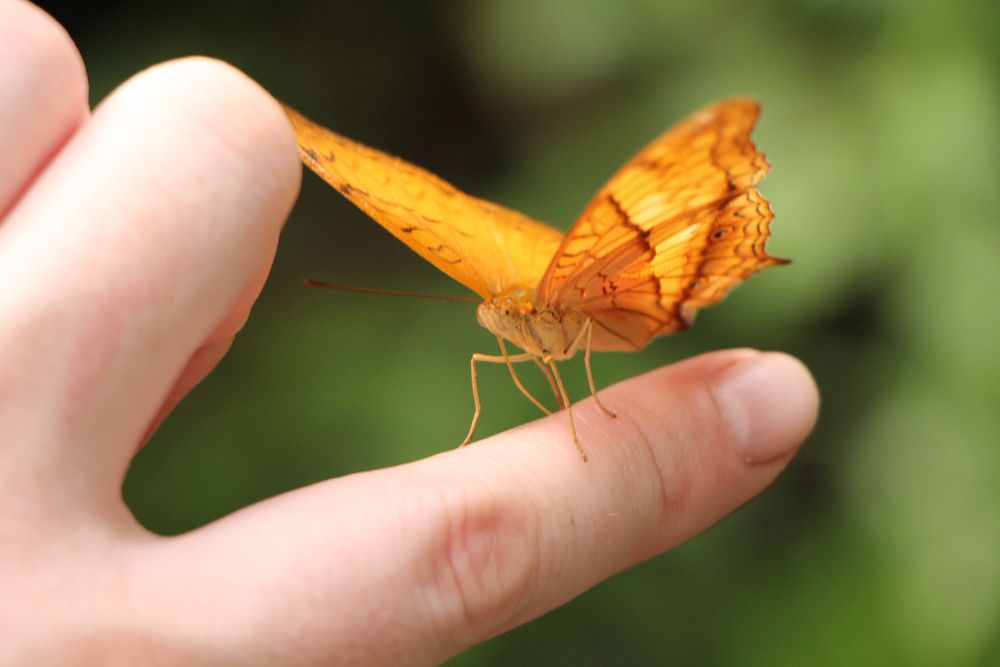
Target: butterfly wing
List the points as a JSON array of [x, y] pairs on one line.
[[486, 247], [674, 230]]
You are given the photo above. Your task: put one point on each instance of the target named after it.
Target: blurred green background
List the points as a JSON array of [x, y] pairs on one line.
[[881, 543]]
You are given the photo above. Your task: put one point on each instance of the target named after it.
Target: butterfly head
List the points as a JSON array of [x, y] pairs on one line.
[[545, 333]]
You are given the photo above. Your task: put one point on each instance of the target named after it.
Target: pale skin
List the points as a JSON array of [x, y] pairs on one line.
[[134, 240]]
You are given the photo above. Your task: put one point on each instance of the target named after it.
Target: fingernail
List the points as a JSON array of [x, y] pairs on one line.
[[769, 402]]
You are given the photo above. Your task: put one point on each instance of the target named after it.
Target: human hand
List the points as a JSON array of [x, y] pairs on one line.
[[132, 245]]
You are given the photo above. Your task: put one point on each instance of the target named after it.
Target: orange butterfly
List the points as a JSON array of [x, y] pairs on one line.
[[674, 230]]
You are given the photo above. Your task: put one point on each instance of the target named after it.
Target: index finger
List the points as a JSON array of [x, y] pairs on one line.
[[412, 564]]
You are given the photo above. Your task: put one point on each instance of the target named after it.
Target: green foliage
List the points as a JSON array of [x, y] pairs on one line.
[[881, 544]]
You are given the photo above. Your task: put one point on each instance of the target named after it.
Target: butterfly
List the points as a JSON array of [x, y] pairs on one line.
[[674, 230]]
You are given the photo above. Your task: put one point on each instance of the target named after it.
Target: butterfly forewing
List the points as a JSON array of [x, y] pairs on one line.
[[486, 247], [676, 228]]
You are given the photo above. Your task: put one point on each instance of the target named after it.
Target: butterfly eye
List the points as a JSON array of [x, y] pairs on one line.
[[510, 312]]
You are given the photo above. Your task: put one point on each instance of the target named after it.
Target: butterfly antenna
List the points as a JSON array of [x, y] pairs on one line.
[[387, 292]]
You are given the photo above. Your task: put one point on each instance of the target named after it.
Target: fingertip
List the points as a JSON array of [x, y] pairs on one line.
[[233, 108], [43, 44], [769, 402], [39, 47]]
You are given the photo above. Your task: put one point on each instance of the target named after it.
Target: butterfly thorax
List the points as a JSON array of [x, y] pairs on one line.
[[545, 332]]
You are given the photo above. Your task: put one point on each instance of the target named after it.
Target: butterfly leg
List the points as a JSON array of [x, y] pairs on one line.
[[569, 411], [590, 374], [517, 381], [495, 359], [552, 381]]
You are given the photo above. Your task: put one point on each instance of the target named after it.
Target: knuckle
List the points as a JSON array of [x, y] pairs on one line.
[[673, 468], [674, 455], [484, 559]]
